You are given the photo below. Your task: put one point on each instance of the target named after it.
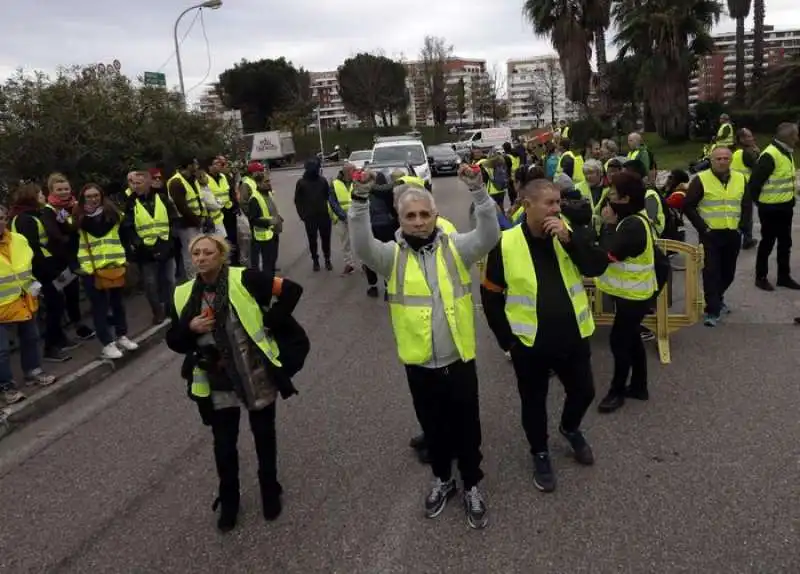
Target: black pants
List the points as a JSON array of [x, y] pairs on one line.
[[532, 367], [721, 253], [447, 407], [627, 347], [264, 255], [319, 227], [225, 428], [776, 227], [384, 234], [232, 231], [500, 198], [56, 303]]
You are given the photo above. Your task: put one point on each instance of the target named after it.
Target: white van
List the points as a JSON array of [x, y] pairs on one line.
[[403, 149], [483, 138]]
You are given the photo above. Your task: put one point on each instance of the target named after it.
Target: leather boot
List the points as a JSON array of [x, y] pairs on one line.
[[228, 503], [271, 491]]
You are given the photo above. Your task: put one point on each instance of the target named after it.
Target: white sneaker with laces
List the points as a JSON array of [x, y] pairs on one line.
[[111, 351], [127, 344]]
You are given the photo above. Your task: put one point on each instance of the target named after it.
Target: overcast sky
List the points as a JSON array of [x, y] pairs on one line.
[[310, 33]]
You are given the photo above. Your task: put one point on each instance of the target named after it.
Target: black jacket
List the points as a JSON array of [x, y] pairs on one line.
[[45, 269], [382, 214], [759, 176], [311, 197]]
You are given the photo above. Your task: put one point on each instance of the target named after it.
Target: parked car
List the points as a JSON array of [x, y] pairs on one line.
[[360, 158], [443, 160], [404, 149]]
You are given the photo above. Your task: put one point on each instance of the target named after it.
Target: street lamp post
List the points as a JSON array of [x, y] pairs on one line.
[[213, 4]]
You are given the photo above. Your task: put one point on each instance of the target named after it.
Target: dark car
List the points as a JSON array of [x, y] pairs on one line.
[[443, 160]]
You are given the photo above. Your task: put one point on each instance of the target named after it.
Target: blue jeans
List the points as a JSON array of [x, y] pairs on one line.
[[28, 334], [101, 300], [159, 283]]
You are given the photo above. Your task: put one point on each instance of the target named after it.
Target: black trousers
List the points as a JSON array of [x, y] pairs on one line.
[[500, 198], [319, 227], [225, 428], [627, 347], [264, 255], [573, 366], [447, 407], [776, 227], [56, 303], [232, 231], [721, 253]]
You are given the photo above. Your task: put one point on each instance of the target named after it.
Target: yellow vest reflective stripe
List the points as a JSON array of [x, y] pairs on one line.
[[446, 225], [412, 180], [192, 198], [661, 219], [586, 191], [128, 192], [565, 132], [605, 166], [16, 275], [150, 228], [522, 287], [490, 187], [249, 314], [107, 251], [516, 217], [411, 304], [737, 164], [577, 167], [515, 164], [721, 206], [780, 186], [262, 233], [343, 193], [40, 230], [215, 214], [727, 141], [250, 183], [634, 278], [221, 190]]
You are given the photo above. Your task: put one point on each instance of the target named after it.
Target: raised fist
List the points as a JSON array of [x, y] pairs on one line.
[[363, 184], [471, 176]]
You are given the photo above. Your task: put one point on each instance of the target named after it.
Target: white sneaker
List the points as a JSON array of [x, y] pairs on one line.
[[111, 351], [127, 344]]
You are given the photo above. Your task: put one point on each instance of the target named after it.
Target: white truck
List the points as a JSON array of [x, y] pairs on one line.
[[485, 139], [274, 148]]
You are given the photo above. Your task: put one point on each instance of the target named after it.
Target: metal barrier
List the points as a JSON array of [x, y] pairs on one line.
[[662, 322]]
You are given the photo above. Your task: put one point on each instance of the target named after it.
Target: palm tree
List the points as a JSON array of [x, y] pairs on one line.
[[669, 35], [758, 44], [598, 14], [739, 10], [565, 23]]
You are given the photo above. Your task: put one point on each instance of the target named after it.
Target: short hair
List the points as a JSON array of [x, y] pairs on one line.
[[563, 182], [631, 185], [535, 186], [54, 178], [785, 129], [406, 193], [610, 145], [220, 242], [636, 167], [592, 165], [740, 133]]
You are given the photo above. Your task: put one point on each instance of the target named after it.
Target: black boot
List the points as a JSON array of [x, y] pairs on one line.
[[315, 264], [228, 503], [271, 491]]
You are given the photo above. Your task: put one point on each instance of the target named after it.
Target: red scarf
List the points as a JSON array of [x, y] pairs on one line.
[[59, 203]]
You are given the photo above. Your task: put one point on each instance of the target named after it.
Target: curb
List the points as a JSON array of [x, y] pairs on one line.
[[16, 416]]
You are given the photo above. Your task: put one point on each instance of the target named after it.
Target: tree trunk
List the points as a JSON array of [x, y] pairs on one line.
[[758, 45], [553, 107], [600, 50], [669, 107], [740, 89]]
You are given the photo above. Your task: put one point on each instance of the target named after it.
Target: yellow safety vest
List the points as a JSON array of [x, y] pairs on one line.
[[262, 233], [107, 251], [577, 169], [151, 228], [43, 239], [780, 187], [586, 191], [250, 183], [192, 197], [128, 192], [721, 206], [221, 190], [411, 304], [215, 214], [737, 164], [446, 225], [515, 164], [727, 141], [490, 187], [16, 272], [564, 132], [250, 316], [605, 166], [69, 217], [661, 219], [516, 217], [635, 278], [343, 192], [522, 287], [412, 180]]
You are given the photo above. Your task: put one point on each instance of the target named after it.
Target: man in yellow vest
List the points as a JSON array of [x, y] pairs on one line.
[[536, 306], [430, 301], [265, 221], [716, 205], [773, 187], [569, 163], [744, 159], [190, 209], [225, 193], [725, 133], [339, 203], [147, 221], [638, 151], [513, 163]]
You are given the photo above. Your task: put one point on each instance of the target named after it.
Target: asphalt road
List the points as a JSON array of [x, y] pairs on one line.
[[703, 478]]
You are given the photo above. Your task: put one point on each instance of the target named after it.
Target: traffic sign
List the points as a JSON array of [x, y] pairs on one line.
[[155, 79]]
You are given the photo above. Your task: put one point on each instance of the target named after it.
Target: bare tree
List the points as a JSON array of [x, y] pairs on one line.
[[549, 84], [536, 106], [457, 99], [487, 90], [433, 69]]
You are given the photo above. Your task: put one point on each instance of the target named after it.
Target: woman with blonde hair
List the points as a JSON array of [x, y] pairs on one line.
[[229, 322]]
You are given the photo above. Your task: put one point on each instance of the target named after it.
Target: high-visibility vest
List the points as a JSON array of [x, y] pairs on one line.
[[780, 187], [721, 206], [634, 154], [726, 141], [577, 167], [56, 210], [605, 165], [411, 303], [586, 191], [250, 183], [661, 219], [215, 214], [343, 192], [446, 225], [192, 197], [522, 287], [221, 191], [515, 164], [128, 192], [151, 228], [106, 251], [490, 187], [262, 233], [40, 230], [564, 132], [737, 164], [516, 217], [250, 316], [412, 180], [635, 277], [16, 272]]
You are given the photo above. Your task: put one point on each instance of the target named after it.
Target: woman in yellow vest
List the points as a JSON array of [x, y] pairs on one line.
[[630, 280], [18, 306], [224, 321], [102, 261]]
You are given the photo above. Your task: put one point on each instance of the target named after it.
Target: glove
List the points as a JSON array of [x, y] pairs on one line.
[[472, 176], [363, 185]]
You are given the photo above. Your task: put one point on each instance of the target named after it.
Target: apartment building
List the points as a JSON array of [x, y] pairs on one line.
[[325, 89], [536, 92], [210, 104], [715, 78]]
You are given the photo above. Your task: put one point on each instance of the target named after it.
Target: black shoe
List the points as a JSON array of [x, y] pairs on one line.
[[424, 456], [580, 448], [372, 291], [68, 344], [638, 393], [228, 514], [271, 504], [611, 402], [56, 355], [316, 266], [84, 333], [764, 284], [543, 477], [418, 442], [437, 498], [475, 508], [788, 283], [328, 265], [749, 243]]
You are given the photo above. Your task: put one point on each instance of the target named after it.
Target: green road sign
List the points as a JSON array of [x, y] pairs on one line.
[[155, 79]]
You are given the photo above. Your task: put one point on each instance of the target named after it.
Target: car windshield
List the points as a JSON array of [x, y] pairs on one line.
[[360, 155], [441, 151], [413, 154]]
